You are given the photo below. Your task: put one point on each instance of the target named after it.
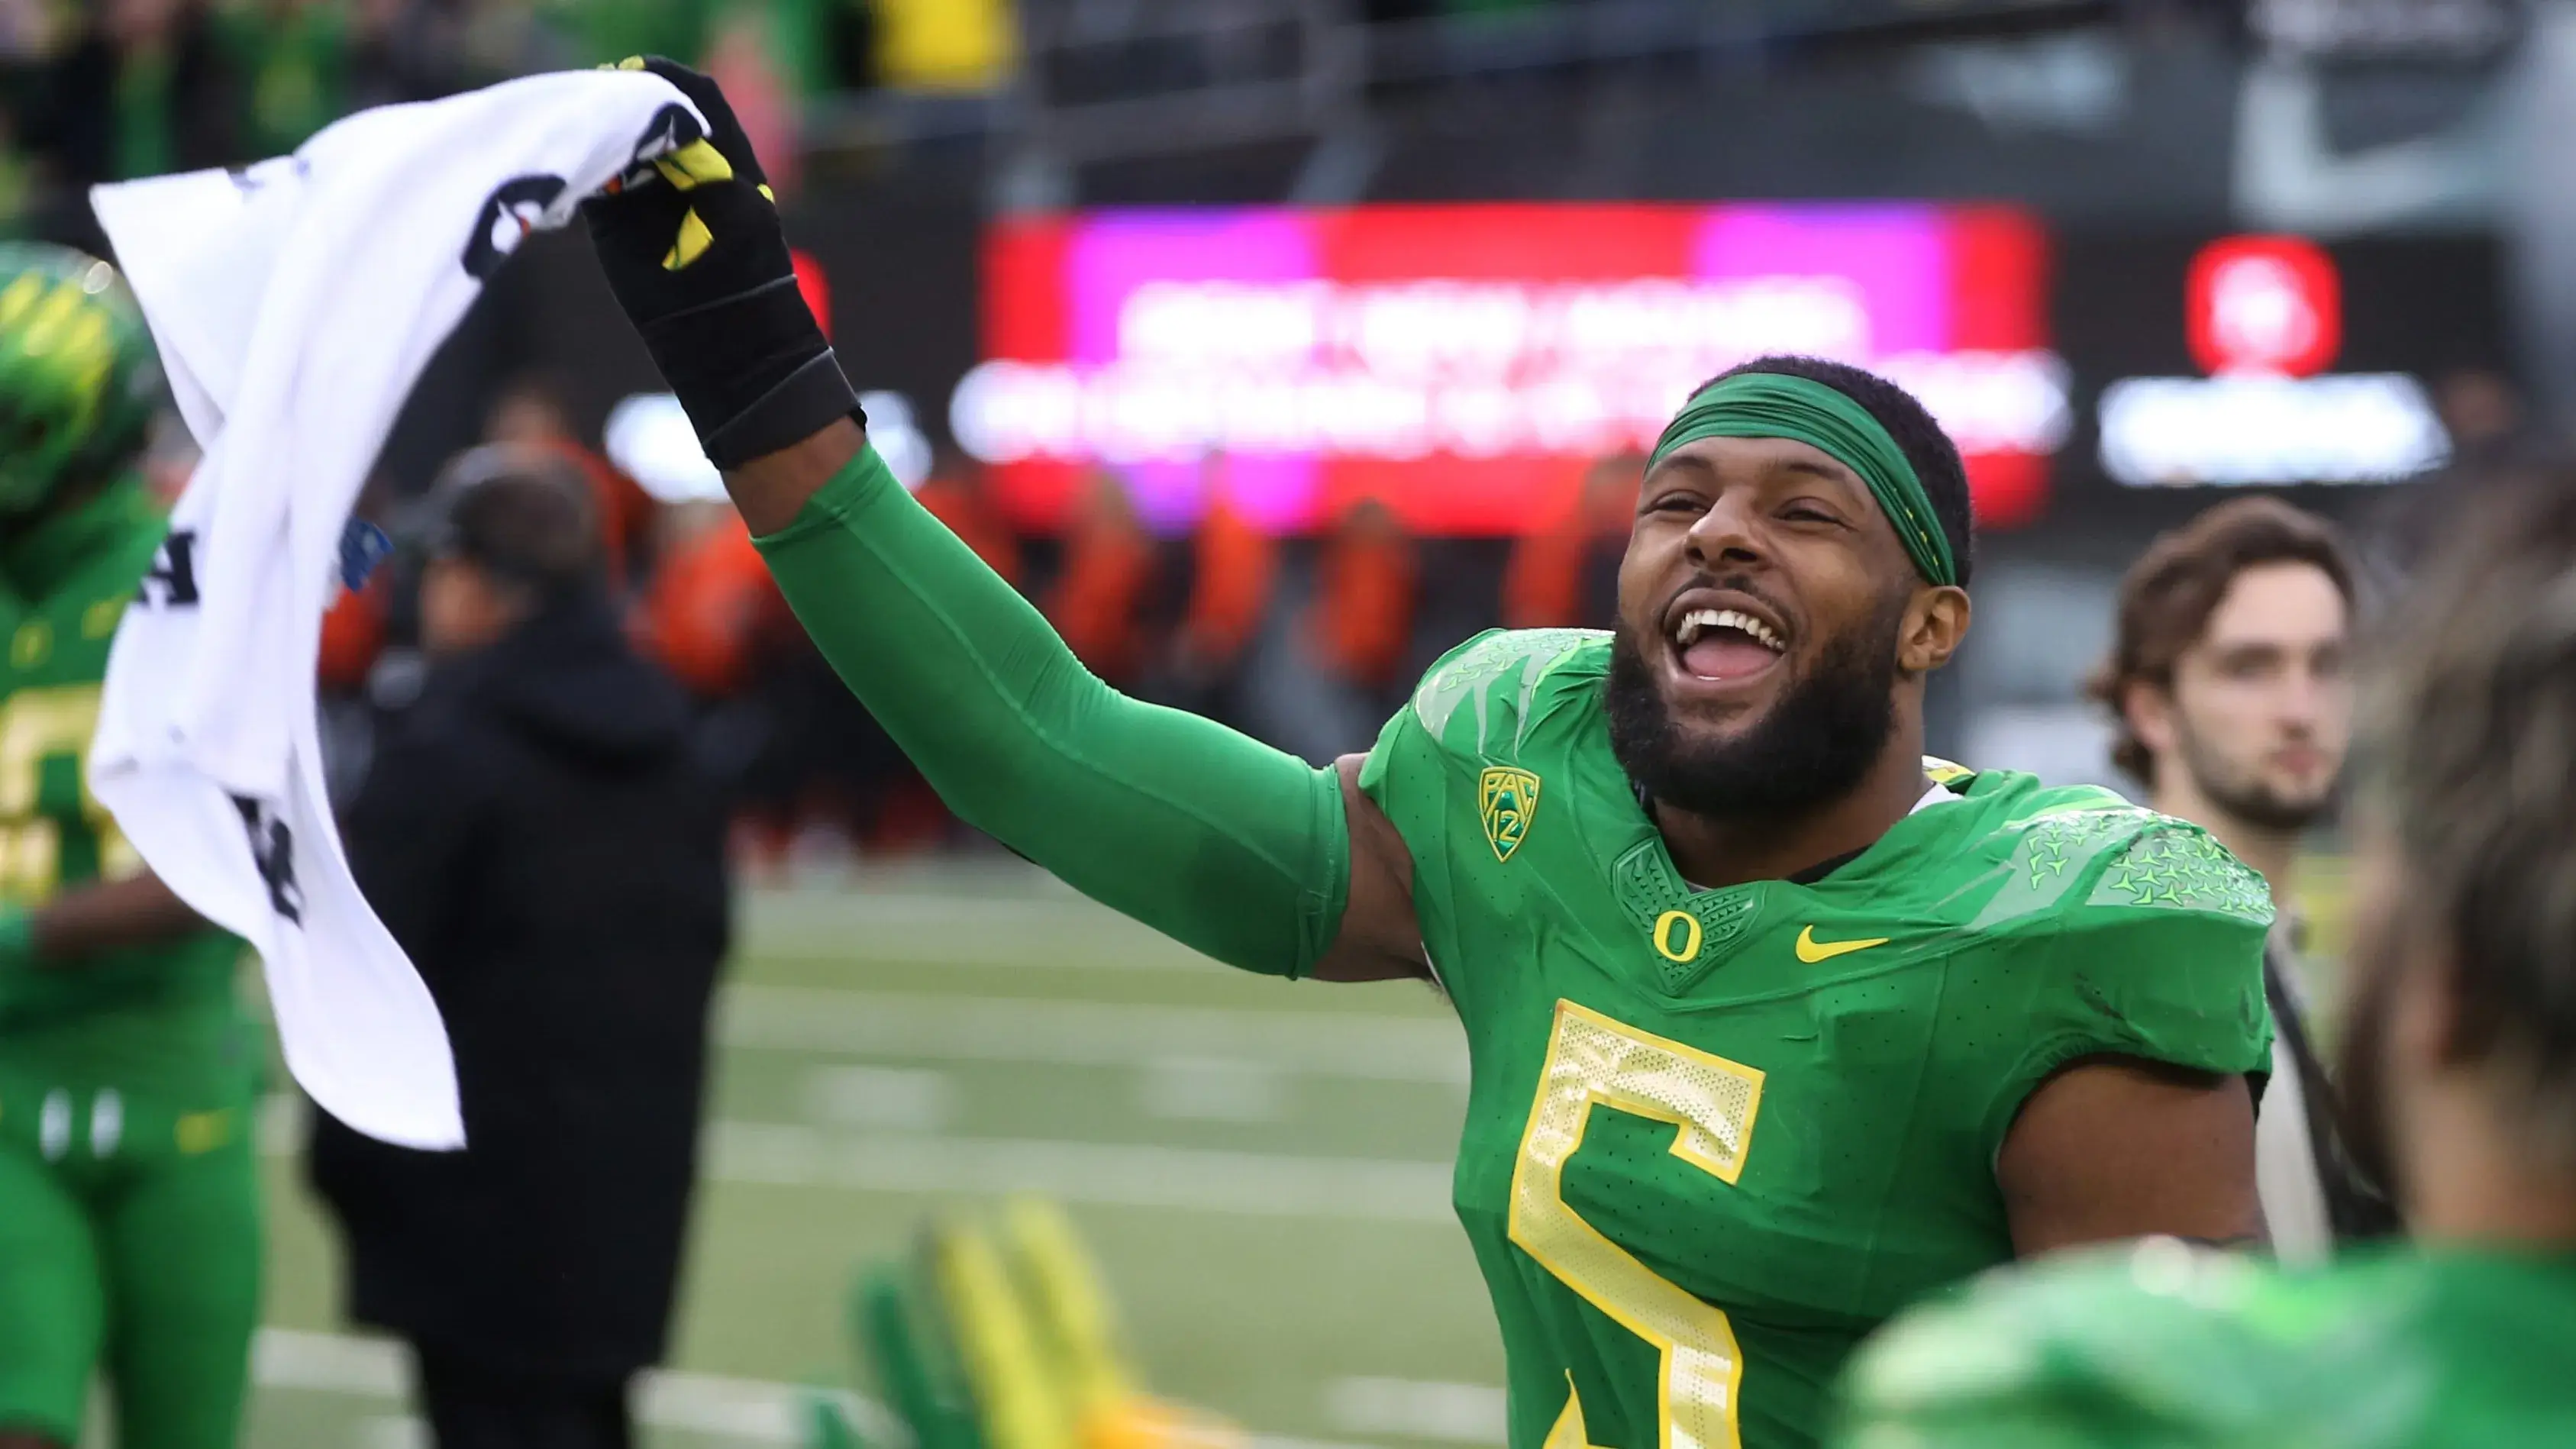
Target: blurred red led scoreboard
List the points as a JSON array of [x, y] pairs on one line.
[[1464, 363]]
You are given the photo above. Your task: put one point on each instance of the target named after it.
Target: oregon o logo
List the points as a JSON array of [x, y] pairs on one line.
[[508, 215], [1688, 949]]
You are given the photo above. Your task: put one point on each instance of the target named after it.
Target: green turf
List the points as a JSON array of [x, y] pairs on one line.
[[1260, 1165]]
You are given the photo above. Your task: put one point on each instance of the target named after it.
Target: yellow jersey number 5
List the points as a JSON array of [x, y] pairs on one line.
[[1710, 1101], [44, 730]]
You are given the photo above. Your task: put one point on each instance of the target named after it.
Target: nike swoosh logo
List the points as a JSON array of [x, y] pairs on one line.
[[1811, 951]]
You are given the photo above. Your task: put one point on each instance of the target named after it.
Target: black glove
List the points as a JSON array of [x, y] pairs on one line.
[[689, 238]]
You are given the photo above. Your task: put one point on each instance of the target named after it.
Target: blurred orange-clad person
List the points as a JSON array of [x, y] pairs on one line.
[[353, 634], [1362, 618], [1235, 565], [954, 494], [1565, 572], [709, 601], [353, 628], [1098, 600]]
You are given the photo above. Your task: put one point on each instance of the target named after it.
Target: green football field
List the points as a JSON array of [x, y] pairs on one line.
[[1261, 1166]]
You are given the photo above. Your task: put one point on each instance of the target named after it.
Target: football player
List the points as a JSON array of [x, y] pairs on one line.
[[1773, 1026], [129, 1209], [2459, 1057]]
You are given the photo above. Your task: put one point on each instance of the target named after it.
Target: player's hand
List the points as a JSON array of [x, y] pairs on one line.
[[691, 244]]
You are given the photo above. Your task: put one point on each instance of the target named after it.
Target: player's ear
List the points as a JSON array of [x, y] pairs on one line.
[[1934, 624], [2148, 708]]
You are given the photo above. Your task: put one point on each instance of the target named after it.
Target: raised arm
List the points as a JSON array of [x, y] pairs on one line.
[[1215, 839]]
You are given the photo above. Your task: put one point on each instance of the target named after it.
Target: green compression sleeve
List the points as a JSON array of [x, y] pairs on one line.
[[1206, 835]]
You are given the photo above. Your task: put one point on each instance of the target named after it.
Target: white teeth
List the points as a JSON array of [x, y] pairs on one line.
[[1698, 621]]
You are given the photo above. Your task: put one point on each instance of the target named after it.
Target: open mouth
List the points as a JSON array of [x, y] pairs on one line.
[[1723, 644]]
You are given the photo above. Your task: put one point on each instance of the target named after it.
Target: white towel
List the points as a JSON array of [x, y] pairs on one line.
[[295, 304]]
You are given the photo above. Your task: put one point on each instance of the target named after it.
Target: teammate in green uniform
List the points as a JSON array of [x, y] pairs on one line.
[[1770, 1029], [129, 1214], [2460, 1056]]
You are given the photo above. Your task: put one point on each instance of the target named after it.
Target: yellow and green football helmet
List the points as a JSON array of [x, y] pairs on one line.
[[78, 376]]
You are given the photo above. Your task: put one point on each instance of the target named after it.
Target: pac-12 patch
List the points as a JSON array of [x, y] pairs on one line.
[[1507, 799]]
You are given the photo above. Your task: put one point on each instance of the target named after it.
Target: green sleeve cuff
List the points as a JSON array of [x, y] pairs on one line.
[[836, 501]]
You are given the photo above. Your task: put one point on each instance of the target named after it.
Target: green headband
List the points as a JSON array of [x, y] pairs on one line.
[[1777, 405]]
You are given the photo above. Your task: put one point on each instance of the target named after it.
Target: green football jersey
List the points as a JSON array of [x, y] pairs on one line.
[[1714, 1137], [2166, 1346], [158, 1017]]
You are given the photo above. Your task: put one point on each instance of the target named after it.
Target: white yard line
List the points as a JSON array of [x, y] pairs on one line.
[[1106, 1174], [1040, 928], [750, 1411], [937, 1027], [746, 1409], [934, 1026], [1418, 1409]]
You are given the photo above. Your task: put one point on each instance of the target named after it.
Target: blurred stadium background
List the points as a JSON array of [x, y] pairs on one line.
[[1268, 343]]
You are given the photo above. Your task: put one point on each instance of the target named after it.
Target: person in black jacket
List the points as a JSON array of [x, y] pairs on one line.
[[536, 832]]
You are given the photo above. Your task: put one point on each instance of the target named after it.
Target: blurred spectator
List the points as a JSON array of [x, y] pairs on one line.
[[18, 179], [403, 50], [531, 413], [2482, 411], [291, 58], [2492, 438], [28, 29], [497, 39], [1565, 572], [766, 67], [357, 625], [1098, 600], [141, 90], [1236, 565], [536, 834], [601, 31], [353, 634], [709, 601], [1362, 619], [302, 64]]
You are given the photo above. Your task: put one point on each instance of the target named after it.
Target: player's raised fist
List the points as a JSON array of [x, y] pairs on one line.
[[690, 241]]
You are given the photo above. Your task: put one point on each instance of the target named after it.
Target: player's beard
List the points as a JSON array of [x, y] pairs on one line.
[[2245, 794], [1812, 746]]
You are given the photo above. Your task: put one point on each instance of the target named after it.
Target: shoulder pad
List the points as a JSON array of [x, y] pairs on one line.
[[1496, 677], [2088, 847], [2185, 868]]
